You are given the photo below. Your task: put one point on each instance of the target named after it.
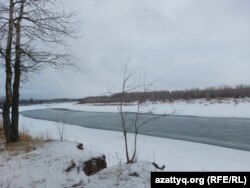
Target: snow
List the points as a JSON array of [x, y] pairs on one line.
[[201, 107], [176, 155], [123, 175], [44, 167]]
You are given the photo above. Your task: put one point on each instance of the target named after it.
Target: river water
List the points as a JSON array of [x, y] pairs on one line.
[[226, 132]]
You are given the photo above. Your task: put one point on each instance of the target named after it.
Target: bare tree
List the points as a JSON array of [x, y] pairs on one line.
[[135, 123], [8, 28], [35, 36], [60, 129]]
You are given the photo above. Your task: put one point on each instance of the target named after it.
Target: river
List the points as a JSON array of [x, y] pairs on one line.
[[226, 132]]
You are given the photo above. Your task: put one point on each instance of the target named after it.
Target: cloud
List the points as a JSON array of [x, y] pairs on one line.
[[188, 43]]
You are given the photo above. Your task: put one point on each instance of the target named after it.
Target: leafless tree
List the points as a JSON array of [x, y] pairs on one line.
[[33, 35], [133, 124], [60, 129]]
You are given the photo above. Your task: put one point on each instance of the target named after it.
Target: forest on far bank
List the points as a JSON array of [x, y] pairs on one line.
[[239, 91]]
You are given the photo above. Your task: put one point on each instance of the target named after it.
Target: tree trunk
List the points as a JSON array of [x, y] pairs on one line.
[[8, 92], [17, 71]]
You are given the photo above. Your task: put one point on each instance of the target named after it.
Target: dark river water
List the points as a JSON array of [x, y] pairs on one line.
[[225, 132]]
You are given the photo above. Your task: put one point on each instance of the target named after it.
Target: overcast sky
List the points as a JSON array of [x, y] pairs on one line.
[[184, 43]]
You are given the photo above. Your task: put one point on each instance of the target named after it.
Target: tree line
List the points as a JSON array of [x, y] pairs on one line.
[[42, 101], [32, 101], [239, 91]]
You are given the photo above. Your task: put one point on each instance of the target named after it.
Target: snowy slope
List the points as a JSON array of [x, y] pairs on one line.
[[45, 167], [135, 175]]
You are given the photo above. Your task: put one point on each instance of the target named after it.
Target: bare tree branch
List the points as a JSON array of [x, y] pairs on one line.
[[33, 34], [135, 123]]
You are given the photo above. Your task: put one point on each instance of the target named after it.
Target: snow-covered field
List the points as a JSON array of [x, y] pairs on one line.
[[213, 108], [44, 167], [176, 155]]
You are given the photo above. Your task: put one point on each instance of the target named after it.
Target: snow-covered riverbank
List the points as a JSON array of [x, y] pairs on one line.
[[22, 170], [176, 155], [213, 108]]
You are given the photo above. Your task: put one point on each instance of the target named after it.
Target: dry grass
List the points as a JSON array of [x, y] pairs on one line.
[[26, 142], [23, 137], [21, 147]]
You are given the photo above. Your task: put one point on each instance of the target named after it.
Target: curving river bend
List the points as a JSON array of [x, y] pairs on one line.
[[226, 132]]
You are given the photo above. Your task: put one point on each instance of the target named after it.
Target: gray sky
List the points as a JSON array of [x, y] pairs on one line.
[[186, 43]]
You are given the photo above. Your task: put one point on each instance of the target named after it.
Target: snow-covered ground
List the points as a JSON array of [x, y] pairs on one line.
[[45, 166], [213, 108], [42, 167], [176, 155]]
